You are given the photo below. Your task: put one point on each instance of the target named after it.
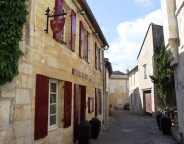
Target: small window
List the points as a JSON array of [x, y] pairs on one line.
[[53, 96], [111, 88], [145, 72], [123, 89]]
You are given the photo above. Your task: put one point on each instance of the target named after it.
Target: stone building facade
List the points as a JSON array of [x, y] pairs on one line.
[[60, 81], [107, 74], [146, 67], [134, 96], [173, 16], [118, 86]]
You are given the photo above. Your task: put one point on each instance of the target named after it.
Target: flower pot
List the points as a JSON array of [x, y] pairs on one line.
[[111, 111], [95, 127], [165, 123], [84, 132]]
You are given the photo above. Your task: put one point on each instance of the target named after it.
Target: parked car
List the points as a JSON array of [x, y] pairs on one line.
[[127, 106]]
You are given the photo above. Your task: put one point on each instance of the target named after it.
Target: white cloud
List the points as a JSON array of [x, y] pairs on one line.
[[144, 3], [123, 51]]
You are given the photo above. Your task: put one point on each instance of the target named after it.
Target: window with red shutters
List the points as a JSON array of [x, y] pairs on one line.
[[67, 104], [96, 103], [101, 59], [57, 9], [81, 39], [41, 107], [100, 102], [96, 56], [76, 109], [83, 103], [73, 29], [88, 46]]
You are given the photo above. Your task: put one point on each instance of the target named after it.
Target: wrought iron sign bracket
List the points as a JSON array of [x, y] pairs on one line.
[[48, 15]]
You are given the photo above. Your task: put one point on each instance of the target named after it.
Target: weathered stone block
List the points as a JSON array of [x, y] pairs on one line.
[[22, 128], [22, 96]]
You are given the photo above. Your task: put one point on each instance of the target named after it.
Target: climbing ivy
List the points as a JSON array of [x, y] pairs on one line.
[[12, 18], [164, 77]]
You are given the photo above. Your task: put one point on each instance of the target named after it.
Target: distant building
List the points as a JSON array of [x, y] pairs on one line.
[[107, 74], [134, 96], [118, 89], [146, 67]]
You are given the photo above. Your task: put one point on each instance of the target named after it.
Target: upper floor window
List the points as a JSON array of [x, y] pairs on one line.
[[145, 71], [84, 42], [98, 58]]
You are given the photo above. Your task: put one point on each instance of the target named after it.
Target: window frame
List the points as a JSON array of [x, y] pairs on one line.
[[51, 127], [145, 71]]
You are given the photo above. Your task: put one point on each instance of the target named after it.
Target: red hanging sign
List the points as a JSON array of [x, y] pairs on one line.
[[57, 25]]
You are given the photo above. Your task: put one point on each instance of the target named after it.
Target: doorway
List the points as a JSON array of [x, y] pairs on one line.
[[79, 106]]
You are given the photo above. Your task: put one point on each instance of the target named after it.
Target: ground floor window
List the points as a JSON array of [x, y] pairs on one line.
[[53, 100]]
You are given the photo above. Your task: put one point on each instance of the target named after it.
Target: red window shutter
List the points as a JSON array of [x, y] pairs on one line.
[[76, 111], [81, 39], [96, 56], [41, 107], [88, 46], [73, 29], [83, 103], [100, 101], [96, 103], [57, 9], [67, 104], [101, 59]]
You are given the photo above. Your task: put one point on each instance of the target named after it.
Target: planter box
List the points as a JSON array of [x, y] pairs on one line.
[[165, 124]]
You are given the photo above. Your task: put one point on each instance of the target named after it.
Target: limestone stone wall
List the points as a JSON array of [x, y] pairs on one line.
[[44, 55], [118, 98]]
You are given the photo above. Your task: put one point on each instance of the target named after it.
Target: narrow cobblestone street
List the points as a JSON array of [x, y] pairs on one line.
[[128, 128]]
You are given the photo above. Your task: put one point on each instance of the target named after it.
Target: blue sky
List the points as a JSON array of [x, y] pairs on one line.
[[124, 24]]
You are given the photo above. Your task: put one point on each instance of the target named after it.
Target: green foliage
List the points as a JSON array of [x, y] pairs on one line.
[[164, 77], [12, 18]]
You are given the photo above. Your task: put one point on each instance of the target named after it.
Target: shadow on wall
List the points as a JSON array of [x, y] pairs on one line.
[[135, 102]]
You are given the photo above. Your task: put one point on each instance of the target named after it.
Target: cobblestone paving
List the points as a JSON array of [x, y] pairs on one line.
[[128, 128]]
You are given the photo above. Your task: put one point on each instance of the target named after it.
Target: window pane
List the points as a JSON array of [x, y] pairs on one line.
[[53, 98], [52, 109], [52, 87], [52, 120]]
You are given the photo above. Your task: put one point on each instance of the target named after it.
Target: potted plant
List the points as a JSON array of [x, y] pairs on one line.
[[84, 132], [165, 124]]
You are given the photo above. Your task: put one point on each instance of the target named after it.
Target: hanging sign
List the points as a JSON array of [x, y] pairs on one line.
[[57, 25]]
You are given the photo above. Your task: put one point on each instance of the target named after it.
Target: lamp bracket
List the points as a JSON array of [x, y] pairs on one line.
[[48, 15]]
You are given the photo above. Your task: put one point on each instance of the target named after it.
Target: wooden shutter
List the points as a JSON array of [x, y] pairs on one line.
[[57, 9], [81, 39], [96, 56], [101, 59], [76, 110], [73, 29], [83, 103], [41, 107], [100, 102], [96, 103], [88, 46], [67, 104]]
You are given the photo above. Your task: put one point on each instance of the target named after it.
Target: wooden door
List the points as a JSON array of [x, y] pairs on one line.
[[148, 102]]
